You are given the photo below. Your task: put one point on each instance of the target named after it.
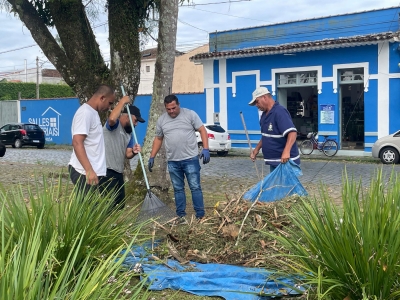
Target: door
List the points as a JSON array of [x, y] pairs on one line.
[[4, 134]]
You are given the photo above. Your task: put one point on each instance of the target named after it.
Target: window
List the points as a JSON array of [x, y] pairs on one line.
[[53, 122], [298, 79], [147, 68], [215, 128], [352, 75]]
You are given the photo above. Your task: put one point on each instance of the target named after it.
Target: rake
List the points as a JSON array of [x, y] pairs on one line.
[[152, 207]]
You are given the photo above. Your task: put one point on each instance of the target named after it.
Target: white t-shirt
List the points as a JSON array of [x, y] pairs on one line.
[[87, 121]]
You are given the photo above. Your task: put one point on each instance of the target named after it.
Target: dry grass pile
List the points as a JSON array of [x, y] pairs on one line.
[[221, 238]]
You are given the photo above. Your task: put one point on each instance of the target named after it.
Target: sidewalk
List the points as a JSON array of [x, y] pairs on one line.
[[316, 155]]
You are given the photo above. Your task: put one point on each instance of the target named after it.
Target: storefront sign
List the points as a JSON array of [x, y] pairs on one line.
[[327, 114]]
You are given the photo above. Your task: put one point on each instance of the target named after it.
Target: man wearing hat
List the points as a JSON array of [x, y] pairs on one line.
[[119, 145], [278, 140]]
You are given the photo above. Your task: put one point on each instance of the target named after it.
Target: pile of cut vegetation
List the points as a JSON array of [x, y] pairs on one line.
[[234, 233]]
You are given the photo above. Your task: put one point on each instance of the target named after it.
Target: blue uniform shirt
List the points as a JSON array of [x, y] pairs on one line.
[[275, 125]]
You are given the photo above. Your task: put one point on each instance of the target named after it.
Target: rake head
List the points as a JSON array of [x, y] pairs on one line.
[[154, 208]]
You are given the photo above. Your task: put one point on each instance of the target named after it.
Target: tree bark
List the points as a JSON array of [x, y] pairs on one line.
[[162, 87]]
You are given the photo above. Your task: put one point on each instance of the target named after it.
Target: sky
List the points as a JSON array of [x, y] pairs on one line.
[[197, 18]]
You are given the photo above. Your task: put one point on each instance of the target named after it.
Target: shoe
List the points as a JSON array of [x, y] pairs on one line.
[[180, 221], [199, 220]]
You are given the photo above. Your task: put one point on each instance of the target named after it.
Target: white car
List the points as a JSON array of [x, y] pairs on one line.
[[218, 139], [387, 148]]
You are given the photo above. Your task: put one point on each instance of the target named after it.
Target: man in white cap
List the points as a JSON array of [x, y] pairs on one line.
[[279, 134]]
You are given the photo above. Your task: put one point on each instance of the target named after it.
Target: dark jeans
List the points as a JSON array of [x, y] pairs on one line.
[[79, 180], [114, 181], [191, 169]]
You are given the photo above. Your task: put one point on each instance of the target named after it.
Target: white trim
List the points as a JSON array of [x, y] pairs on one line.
[[322, 133], [336, 68], [209, 106], [244, 141], [368, 145], [294, 50], [383, 89], [223, 105], [19, 110], [208, 73], [371, 133], [247, 73], [275, 136], [243, 132], [278, 159], [293, 70]]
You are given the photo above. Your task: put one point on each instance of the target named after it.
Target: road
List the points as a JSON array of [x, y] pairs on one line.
[[226, 168]]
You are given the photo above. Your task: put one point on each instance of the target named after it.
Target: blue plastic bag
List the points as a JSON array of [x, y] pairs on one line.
[[281, 183]]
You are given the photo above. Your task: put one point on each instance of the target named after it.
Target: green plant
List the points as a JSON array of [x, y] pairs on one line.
[[64, 245], [350, 252], [10, 90]]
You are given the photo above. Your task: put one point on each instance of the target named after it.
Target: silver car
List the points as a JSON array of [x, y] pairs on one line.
[[387, 148]]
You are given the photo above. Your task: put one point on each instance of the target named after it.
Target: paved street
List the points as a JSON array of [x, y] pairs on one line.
[[235, 169]]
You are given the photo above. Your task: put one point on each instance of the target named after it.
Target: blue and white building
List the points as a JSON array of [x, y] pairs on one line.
[[338, 75]]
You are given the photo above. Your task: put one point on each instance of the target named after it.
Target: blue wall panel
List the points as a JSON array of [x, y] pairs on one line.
[[394, 58], [54, 116], [324, 58], [216, 100], [371, 107], [307, 30], [394, 105], [216, 71], [196, 102]]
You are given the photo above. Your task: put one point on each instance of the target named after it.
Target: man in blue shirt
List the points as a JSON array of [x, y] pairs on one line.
[[279, 134]]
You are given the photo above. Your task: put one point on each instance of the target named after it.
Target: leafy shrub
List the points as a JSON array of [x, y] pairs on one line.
[[10, 90], [59, 244], [351, 252]]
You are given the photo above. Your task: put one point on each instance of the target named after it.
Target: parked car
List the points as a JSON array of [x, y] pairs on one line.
[[387, 148], [218, 139], [2, 149], [20, 134]]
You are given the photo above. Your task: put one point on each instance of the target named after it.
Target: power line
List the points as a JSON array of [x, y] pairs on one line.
[[11, 50], [192, 25], [214, 12], [212, 3]]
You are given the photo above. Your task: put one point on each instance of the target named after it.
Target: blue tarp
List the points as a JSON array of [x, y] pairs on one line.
[[227, 281], [281, 183]]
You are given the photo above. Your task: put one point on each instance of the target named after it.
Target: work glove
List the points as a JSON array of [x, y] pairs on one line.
[[205, 154], [151, 164]]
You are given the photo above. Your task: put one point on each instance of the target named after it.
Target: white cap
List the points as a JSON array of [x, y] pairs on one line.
[[257, 93]]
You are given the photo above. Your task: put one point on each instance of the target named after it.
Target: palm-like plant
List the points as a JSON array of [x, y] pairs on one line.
[[351, 252], [64, 245]]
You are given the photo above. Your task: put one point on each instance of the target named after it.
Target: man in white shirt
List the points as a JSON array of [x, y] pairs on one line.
[[88, 161]]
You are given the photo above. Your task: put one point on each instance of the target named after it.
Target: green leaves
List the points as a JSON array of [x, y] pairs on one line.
[[57, 243], [352, 251], [10, 90]]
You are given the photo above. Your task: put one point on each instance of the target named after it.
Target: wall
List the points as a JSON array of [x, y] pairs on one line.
[[229, 84], [307, 30], [54, 116], [146, 78], [195, 101], [8, 112], [188, 77]]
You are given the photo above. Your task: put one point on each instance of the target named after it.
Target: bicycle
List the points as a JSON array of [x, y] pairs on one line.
[[328, 146]]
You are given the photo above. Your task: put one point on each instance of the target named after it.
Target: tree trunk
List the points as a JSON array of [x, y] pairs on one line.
[[79, 59], [164, 69]]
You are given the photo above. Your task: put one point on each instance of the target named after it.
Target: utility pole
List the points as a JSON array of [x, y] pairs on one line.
[[26, 72], [37, 77]]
